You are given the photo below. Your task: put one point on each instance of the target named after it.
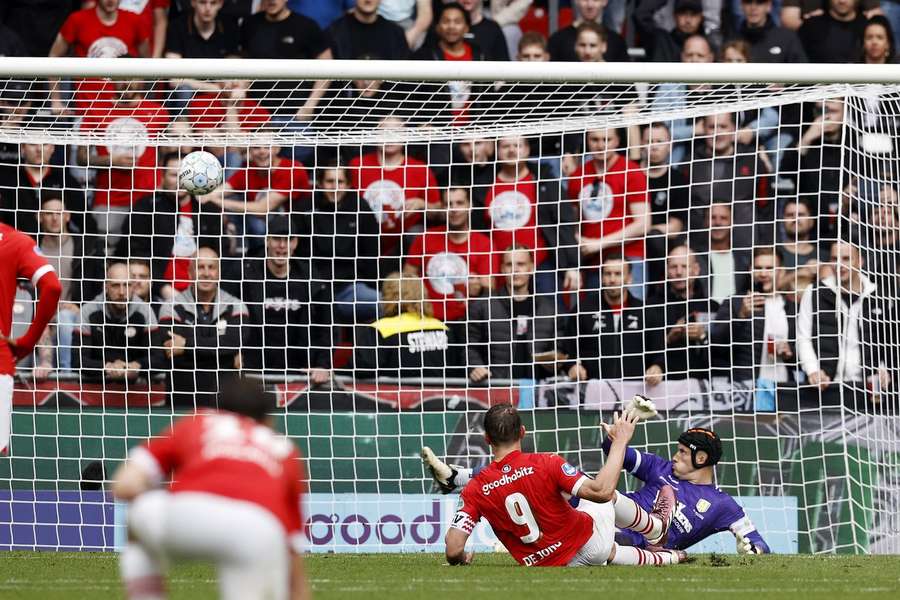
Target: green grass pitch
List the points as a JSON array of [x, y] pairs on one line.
[[48, 576]]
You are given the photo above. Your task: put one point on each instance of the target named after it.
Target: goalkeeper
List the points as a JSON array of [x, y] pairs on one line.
[[701, 509]]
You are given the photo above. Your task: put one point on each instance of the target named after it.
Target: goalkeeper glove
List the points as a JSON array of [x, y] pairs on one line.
[[745, 546], [641, 407]]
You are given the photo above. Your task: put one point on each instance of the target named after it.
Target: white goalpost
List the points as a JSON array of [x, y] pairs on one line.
[[399, 245]]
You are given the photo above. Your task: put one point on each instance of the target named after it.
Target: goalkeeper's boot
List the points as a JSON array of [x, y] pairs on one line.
[[442, 473], [664, 510]]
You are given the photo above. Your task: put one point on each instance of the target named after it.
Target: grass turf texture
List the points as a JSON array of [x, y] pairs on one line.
[[48, 575]]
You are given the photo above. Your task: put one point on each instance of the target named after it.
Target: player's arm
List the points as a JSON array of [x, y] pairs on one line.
[[603, 487], [460, 529], [33, 266]]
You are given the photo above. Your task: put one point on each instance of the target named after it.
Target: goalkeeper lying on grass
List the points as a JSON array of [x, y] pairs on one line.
[[701, 509]]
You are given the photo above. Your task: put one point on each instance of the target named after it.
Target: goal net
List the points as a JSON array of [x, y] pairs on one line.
[[395, 253]]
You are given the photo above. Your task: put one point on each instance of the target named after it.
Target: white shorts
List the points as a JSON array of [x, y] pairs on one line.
[[6, 398], [247, 543], [597, 549]]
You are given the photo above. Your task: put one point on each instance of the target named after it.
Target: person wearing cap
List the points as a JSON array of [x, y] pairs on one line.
[[701, 509], [290, 313], [662, 45]]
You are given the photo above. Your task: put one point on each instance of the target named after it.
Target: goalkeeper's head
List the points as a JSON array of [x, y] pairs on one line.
[[246, 396], [503, 426], [702, 445]]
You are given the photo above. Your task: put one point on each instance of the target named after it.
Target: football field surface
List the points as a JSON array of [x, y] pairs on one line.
[[48, 575]]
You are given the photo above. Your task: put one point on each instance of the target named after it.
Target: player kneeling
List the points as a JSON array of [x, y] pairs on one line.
[[234, 500], [521, 496]]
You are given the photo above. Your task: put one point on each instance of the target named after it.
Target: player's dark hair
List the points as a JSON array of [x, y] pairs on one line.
[[502, 424], [169, 157], [245, 396], [707, 440]]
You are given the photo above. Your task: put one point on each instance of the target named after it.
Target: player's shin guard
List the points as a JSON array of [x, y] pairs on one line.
[[141, 574], [638, 557], [629, 515]]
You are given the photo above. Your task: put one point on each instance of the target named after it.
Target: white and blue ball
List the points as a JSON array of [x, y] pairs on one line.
[[200, 173]]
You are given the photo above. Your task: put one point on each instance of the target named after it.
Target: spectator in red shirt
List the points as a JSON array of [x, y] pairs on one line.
[[398, 188], [522, 207], [153, 15], [126, 168], [456, 264], [103, 31], [269, 183], [611, 192]]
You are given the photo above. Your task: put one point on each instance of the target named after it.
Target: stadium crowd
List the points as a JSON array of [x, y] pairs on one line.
[[715, 242]]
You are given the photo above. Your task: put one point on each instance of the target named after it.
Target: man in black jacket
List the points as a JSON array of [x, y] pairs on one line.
[[513, 329], [608, 336], [167, 227], [678, 318], [363, 32], [662, 45], [342, 238], [753, 334], [562, 43], [202, 334], [116, 339], [769, 43], [290, 314]]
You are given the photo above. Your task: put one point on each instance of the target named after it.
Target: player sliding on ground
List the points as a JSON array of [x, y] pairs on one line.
[[521, 495], [701, 508], [234, 500]]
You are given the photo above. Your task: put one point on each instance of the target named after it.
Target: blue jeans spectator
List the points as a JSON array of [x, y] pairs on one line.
[[359, 300], [66, 322]]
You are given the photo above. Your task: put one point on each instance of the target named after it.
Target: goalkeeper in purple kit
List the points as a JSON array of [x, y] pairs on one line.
[[702, 509]]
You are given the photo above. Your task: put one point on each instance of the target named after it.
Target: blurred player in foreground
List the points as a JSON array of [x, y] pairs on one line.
[[521, 495], [701, 508], [234, 500], [20, 257]]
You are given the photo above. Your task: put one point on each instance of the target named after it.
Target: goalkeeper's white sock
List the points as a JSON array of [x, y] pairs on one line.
[[638, 557], [629, 515], [141, 573]]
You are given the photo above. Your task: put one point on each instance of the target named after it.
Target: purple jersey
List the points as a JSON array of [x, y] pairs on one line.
[[701, 510]]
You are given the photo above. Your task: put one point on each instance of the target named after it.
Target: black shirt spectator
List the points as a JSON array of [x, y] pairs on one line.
[[279, 33], [562, 43], [362, 32], [490, 37], [185, 38], [202, 334], [512, 327], [289, 314], [116, 338], [662, 45], [836, 36], [769, 43], [678, 316], [21, 182], [10, 43], [608, 336]]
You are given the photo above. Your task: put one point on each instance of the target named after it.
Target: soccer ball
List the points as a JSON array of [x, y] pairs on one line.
[[200, 173]]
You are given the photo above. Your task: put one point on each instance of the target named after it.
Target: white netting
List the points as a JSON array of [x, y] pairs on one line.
[[387, 188]]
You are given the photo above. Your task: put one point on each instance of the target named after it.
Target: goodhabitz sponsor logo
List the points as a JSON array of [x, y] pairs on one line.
[[373, 522], [507, 479]]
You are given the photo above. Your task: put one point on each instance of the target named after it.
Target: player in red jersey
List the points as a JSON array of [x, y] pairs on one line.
[[522, 496], [20, 258], [234, 499]]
